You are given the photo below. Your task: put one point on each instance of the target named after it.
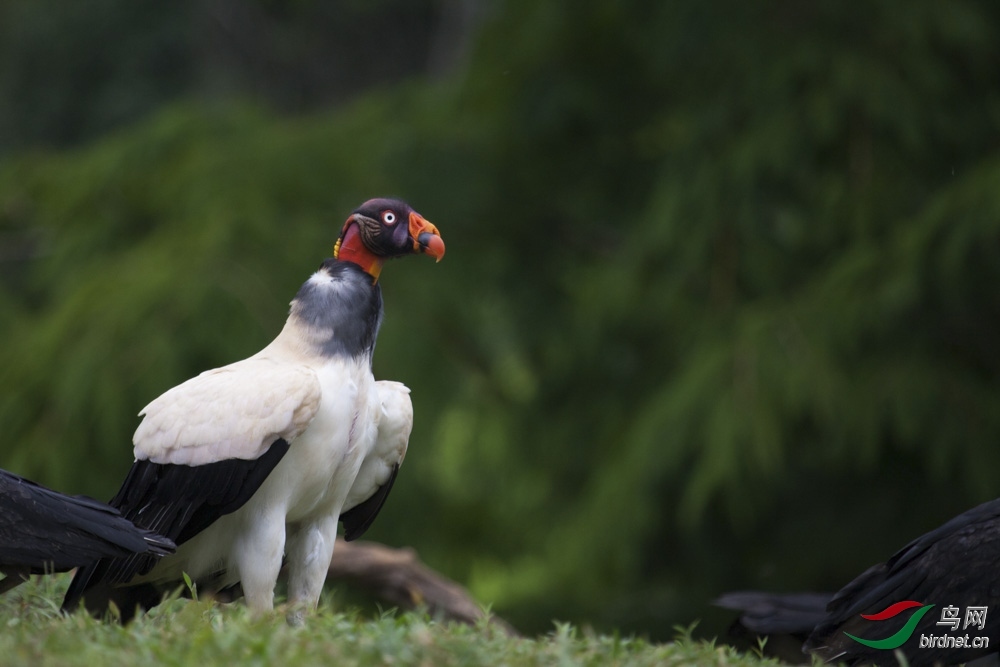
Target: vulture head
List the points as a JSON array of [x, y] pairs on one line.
[[381, 229]]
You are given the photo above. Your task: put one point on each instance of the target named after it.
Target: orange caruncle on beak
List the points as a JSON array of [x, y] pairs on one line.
[[426, 237]]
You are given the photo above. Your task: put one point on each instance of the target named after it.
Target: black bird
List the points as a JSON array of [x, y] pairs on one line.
[[256, 462], [938, 598], [44, 531]]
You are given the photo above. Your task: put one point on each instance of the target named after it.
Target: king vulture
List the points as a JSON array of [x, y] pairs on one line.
[[43, 531], [253, 463], [955, 565]]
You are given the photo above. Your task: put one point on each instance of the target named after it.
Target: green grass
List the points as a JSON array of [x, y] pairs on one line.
[[201, 634]]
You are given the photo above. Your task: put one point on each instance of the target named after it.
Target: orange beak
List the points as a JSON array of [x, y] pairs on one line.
[[426, 237]]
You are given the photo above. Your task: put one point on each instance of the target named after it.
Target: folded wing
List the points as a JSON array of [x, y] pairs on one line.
[[202, 450], [378, 472]]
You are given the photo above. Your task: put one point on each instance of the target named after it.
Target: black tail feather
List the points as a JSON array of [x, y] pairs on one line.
[[777, 613]]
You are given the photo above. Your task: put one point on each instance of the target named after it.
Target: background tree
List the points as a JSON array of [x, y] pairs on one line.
[[718, 308]]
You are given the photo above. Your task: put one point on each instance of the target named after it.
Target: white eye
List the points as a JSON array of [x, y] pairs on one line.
[[388, 217]]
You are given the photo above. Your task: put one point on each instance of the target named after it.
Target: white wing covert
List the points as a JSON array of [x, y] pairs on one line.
[[234, 412]]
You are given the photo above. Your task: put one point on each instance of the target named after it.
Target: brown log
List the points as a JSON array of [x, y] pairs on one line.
[[398, 576]]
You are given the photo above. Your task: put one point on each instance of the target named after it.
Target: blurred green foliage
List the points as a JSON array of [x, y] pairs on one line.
[[718, 311]]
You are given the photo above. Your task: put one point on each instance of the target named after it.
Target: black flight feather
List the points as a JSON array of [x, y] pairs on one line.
[[175, 500], [359, 518]]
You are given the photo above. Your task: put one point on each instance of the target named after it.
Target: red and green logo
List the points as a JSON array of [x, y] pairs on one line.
[[896, 640]]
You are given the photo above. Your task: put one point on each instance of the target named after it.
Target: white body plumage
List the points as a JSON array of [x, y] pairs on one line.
[[345, 431]]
